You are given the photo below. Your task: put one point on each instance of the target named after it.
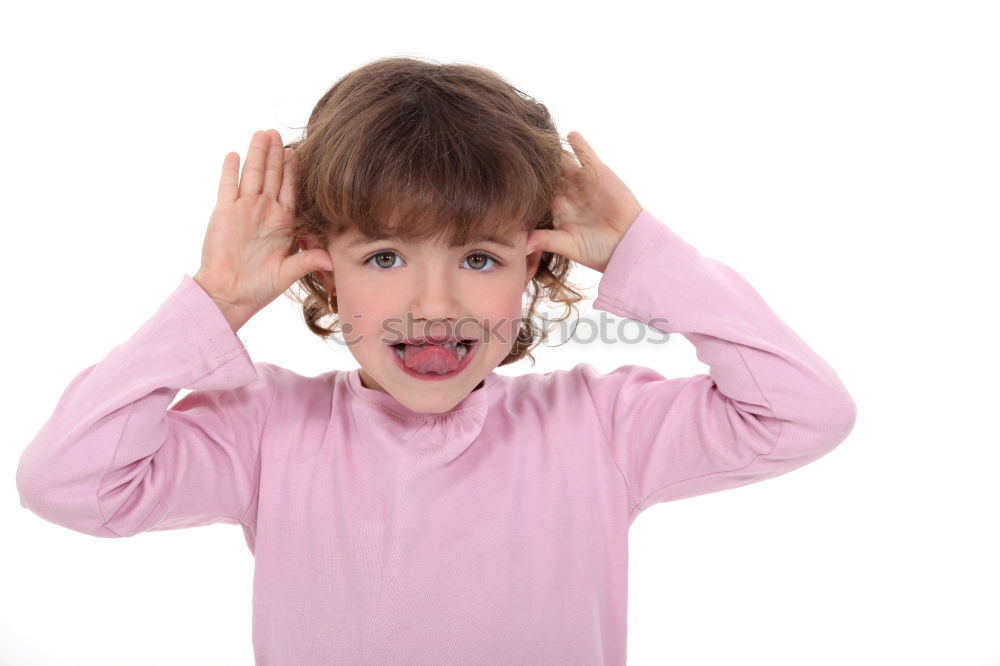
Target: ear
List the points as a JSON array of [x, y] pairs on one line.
[[311, 242], [532, 262]]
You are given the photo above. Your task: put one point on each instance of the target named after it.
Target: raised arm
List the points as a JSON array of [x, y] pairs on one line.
[[115, 460], [768, 405]]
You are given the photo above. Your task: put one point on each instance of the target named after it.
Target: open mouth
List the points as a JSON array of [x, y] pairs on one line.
[[443, 368]]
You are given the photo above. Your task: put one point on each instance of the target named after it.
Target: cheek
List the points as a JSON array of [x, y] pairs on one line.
[[509, 296], [504, 315], [357, 296], [361, 314]]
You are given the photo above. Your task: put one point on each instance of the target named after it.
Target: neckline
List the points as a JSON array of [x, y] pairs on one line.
[[475, 400]]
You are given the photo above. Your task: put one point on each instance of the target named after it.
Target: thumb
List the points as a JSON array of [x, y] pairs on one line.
[[551, 240], [307, 261]]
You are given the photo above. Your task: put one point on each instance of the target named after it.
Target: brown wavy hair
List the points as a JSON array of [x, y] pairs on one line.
[[425, 150]]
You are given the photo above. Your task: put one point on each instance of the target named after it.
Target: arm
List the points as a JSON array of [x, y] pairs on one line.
[[114, 459], [768, 405]]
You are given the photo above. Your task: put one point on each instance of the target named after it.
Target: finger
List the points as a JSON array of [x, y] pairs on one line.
[[253, 167], [568, 163], [286, 197], [272, 172], [573, 174], [228, 188], [302, 263], [584, 152]]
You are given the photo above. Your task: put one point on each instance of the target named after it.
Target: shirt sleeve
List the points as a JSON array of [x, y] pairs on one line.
[[768, 405], [114, 459]]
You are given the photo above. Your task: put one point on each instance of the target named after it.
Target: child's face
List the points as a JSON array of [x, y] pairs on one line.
[[389, 290]]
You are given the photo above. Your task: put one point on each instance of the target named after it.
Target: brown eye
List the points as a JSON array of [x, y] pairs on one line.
[[476, 258], [378, 257]]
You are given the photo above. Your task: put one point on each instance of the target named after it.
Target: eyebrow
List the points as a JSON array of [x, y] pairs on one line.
[[485, 239]]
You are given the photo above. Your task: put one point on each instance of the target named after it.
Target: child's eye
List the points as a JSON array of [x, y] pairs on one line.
[[482, 256], [384, 253]]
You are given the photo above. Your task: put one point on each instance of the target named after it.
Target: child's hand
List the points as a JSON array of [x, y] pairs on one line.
[[244, 261], [593, 216]]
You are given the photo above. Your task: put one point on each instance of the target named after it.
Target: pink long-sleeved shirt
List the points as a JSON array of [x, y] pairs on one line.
[[496, 533]]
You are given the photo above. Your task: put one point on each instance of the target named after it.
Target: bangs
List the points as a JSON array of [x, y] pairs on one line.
[[458, 220], [423, 163]]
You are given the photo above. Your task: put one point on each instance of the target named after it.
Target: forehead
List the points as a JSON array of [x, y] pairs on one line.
[[355, 239]]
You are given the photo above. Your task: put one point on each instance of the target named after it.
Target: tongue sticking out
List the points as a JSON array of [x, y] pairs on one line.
[[430, 359]]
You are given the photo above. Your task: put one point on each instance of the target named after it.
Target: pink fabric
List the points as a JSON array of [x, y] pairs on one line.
[[496, 533]]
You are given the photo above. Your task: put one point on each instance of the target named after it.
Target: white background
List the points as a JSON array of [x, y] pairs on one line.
[[842, 156]]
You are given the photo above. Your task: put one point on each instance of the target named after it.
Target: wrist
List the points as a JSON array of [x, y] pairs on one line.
[[234, 315]]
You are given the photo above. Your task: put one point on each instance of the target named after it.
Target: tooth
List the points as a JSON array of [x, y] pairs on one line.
[[461, 349]]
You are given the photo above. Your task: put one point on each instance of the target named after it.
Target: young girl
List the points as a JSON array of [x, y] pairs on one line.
[[423, 509]]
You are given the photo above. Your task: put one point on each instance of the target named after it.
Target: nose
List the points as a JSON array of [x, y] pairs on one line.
[[434, 299]]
